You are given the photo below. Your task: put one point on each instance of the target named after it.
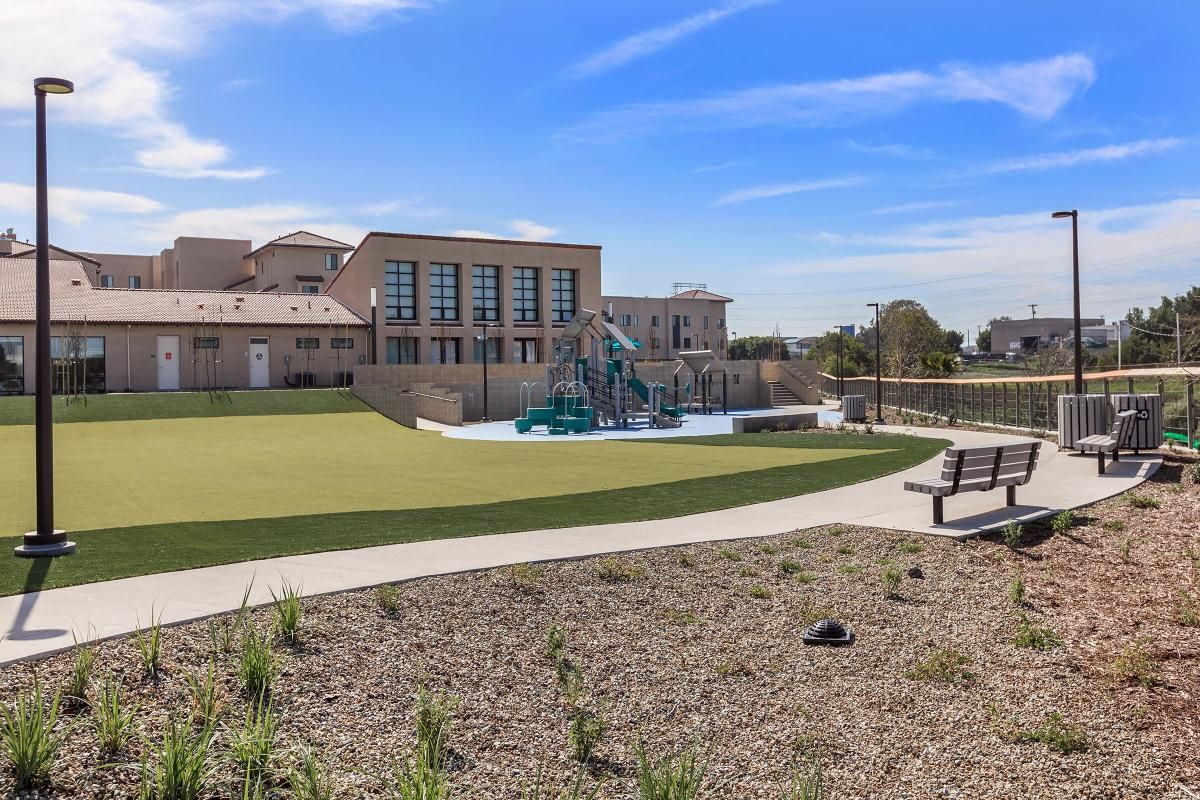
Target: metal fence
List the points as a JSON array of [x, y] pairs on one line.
[[1031, 404]]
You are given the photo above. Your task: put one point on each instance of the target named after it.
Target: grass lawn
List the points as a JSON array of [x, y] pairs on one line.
[[174, 405], [160, 495]]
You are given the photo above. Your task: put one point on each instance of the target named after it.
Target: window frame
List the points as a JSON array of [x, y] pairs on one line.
[[331, 262], [526, 281], [440, 292], [400, 350], [341, 342], [485, 308], [15, 383], [308, 342], [564, 289], [397, 292]]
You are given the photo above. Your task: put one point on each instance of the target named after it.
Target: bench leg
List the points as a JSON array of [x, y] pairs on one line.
[[1100, 462], [1116, 455], [1012, 495], [937, 510]]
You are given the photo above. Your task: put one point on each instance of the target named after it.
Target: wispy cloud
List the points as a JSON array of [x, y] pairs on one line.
[[407, 207], [237, 84], [72, 205], [719, 167], [780, 189], [893, 149], [523, 229], [1036, 89], [905, 208], [651, 41], [259, 223], [1071, 158]]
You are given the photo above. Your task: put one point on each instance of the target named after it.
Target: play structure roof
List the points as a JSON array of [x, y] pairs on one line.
[[702, 361]]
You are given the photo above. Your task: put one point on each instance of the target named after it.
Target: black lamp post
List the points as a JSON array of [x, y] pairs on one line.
[[840, 388], [483, 350], [878, 368], [1074, 215], [46, 540]]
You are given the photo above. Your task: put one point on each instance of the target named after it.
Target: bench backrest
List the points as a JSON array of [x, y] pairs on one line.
[[998, 463], [1124, 424]]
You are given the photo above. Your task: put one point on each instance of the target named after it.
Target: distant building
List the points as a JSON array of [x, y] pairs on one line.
[[694, 319], [1029, 336]]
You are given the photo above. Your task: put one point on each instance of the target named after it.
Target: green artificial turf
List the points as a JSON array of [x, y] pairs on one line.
[[122, 552], [176, 405]]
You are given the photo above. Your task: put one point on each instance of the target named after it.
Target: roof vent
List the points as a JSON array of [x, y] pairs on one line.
[[828, 631], [295, 308], [200, 306], [237, 306], [76, 282], [239, 299]]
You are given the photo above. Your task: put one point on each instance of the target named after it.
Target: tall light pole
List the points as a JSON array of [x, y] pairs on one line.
[[46, 540], [878, 368], [1074, 215], [483, 350]]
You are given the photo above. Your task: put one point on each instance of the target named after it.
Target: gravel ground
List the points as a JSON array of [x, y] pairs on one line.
[[690, 649]]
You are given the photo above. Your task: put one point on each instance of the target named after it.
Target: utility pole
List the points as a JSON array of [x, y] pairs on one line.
[[1033, 310], [1118, 324], [1178, 342]]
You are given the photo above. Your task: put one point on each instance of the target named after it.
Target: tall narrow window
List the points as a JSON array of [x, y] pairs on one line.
[[12, 364], [562, 298], [443, 292], [525, 294], [135, 281], [443, 350], [331, 261], [402, 350], [106, 281], [495, 350], [485, 293], [400, 297], [525, 351]]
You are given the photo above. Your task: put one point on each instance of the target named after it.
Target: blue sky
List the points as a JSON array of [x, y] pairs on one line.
[[803, 158]]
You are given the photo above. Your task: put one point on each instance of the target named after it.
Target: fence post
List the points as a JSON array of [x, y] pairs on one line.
[[1191, 417], [1030, 404], [1107, 403], [1129, 385]]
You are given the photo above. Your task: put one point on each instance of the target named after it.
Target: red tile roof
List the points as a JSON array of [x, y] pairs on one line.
[[303, 239]]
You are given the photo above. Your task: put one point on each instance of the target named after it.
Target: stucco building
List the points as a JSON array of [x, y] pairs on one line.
[[695, 319]]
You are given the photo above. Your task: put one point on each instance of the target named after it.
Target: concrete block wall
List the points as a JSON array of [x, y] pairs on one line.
[[394, 404]]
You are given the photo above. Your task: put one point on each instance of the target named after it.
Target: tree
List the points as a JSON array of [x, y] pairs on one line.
[[984, 340], [954, 342], [1152, 335], [908, 333], [940, 365], [856, 360], [758, 348]]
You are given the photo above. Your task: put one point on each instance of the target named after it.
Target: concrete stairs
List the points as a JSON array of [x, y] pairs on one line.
[[782, 396]]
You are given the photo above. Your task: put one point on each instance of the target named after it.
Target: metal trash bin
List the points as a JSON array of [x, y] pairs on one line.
[[1080, 416], [854, 408], [1148, 434]]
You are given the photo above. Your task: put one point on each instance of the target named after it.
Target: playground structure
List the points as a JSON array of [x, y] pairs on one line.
[[603, 388]]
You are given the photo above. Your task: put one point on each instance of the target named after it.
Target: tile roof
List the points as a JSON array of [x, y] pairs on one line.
[[700, 294], [73, 298], [303, 239], [32, 253]]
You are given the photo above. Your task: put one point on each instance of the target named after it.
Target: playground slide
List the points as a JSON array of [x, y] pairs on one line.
[[643, 392]]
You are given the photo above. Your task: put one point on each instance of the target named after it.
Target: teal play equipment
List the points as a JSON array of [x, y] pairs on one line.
[[566, 411]]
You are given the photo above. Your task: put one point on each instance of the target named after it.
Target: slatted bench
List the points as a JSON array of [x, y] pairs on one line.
[[980, 469], [1124, 425]]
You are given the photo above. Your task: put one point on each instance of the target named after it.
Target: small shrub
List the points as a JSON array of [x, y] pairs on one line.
[[729, 555], [802, 544], [419, 778], [575, 791], [80, 679], [681, 617], [790, 567], [309, 781], [668, 778], [748, 572], [947, 666], [685, 560], [808, 613], [206, 698], [1016, 590], [759, 592], [891, 578], [845, 549], [616, 570], [1114, 525], [556, 642], [1063, 521], [28, 737], [149, 644], [1036, 637], [433, 719], [258, 664], [1011, 533], [1136, 665], [1056, 734], [526, 577], [584, 734], [850, 569], [112, 719], [768, 549], [387, 599], [288, 612], [804, 784], [222, 631], [835, 530], [1189, 615], [252, 746], [1143, 501], [736, 668], [911, 548], [181, 771], [1194, 471], [1125, 548]]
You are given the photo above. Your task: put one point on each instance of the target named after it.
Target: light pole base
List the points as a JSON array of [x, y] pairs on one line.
[[37, 546]]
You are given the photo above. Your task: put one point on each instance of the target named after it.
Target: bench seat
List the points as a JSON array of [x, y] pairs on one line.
[[979, 469], [1124, 425]]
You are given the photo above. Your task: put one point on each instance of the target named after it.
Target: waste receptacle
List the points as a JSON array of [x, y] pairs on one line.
[[854, 408], [1080, 416], [1148, 433]]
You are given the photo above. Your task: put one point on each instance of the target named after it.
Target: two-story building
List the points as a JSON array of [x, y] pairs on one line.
[[694, 319]]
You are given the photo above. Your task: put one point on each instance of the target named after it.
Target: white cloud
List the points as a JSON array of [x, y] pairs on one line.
[[651, 41], [72, 205], [105, 47], [407, 207], [237, 84], [522, 229], [719, 167], [780, 189], [1036, 89], [893, 149], [904, 208], [259, 223], [473, 233], [1071, 158]]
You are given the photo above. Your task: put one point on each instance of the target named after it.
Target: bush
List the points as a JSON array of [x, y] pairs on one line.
[[387, 599], [288, 612], [668, 778], [1056, 734], [805, 784], [309, 781], [891, 578], [526, 577], [29, 739], [1011, 533], [947, 666], [1037, 637], [1114, 525], [182, 770], [112, 720], [433, 719], [681, 617], [1136, 665], [1062, 521], [586, 731], [206, 699], [258, 665], [616, 570], [1016, 590], [418, 778], [729, 554], [911, 548], [149, 644], [1189, 615], [759, 592], [1143, 501], [80, 679], [253, 745]]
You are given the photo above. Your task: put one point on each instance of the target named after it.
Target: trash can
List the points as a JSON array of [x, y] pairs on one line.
[[1148, 434], [854, 408], [1080, 416]]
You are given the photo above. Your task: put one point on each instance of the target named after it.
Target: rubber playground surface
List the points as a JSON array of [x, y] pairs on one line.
[[143, 472]]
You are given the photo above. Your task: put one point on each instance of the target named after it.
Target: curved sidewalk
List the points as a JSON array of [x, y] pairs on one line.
[[41, 623]]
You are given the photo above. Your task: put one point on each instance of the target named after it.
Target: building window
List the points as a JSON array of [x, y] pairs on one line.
[[687, 321], [687, 343], [206, 342], [402, 350], [720, 324], [485, 293], [655, 343], [308, 343], [626, 319], [443, 292], [675, 331], [525, 294], [443, 350], [106, 281], [525, 351], [654, 321], [495, 350], [400, 295], [12, 364], [331, 261], [342, 342], [78, 364], [705, 322], [736, 379], [135, 281], [562, 297], [308, 289]]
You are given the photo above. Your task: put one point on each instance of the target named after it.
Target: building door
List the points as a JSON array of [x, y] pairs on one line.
[[168, 363], [260, 362]]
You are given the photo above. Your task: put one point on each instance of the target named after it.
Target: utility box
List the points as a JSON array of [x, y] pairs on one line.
[[1080, 416], [854, 408], [1148, 433]]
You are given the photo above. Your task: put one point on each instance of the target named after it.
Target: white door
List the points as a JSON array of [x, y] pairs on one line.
[[260, 362], [168, 363]]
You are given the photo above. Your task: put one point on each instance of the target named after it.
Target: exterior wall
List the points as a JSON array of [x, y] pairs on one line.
[[123, 267], [279, 266], [209, 263], [1004, 333], [365, 270], [715, 337], [131, 358]]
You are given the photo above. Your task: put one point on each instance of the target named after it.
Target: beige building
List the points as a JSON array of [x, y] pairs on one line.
[[299, 262], [691, 320], [435, 294]]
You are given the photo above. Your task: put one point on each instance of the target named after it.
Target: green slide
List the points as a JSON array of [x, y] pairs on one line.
[[644, 392]]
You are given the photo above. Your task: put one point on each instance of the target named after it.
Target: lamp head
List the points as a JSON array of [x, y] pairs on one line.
[[53, 85], [1062, 214]]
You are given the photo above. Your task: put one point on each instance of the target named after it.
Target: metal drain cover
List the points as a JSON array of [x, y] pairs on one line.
[[828, 631]]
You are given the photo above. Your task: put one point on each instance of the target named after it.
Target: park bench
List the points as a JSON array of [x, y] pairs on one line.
[[1122, 434], [980, 469]]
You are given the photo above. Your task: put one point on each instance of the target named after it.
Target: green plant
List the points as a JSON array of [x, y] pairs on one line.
[[729, 554], [684, 560], [1036, 637], [748, 572], [181, 771], [1189, 615], [835, 530], [258, 664], [850, 569], [387, 599], [790, 567], [1114, 525], [1136, 665], [681, 617], [1126, 549], [911, 548], [149, 644], [206, 698], [891, 578], [556, 642], [802, 544], [221, 631], [804, 784], [759, 592], [419, 778], [575, 791], [1016, 590], [310, 780], [28, 737], [433, 720], [80, 678], [947, 666], [1143, 501], [1062, 522], [845, 549], [670, 777], [1056, 734], [288, 612], [616, 570], [1011, 533], [252, 746], [526, 577], [768, 549], [111, 719], [585, 732]]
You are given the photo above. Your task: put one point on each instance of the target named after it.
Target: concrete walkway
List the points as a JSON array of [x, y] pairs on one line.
[[41, 623]]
